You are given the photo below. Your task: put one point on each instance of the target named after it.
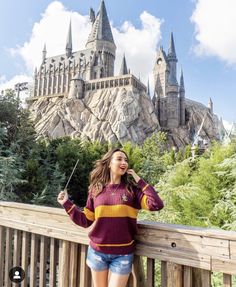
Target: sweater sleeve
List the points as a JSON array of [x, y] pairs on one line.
[[82, 218], [147, 197]]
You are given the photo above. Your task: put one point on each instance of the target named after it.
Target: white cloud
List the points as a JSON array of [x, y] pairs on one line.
[[52, 30], [214, 26], [139, 45]]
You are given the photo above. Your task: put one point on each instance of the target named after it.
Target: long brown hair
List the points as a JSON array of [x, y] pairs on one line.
[[100, 175]]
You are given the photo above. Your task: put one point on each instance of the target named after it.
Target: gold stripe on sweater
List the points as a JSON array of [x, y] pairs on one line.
[[144, 204], [145, 187], [89, 214], [115, 211], [124, 244], [72, 207]]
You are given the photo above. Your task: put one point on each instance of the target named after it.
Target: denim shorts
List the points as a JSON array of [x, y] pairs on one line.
[[120, 264]]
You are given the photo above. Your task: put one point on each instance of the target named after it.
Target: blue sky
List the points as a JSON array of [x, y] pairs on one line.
[[205, 40]]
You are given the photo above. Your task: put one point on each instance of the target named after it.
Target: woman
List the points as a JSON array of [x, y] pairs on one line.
[[113, 203]]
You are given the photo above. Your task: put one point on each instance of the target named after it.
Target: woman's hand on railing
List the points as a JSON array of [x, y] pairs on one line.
[[62, 197]]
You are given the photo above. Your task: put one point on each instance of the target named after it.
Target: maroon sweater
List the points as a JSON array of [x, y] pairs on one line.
[[115, 215]]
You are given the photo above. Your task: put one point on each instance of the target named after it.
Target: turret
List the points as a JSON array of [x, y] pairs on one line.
[[148, 88], [44, 53], [172, 60], [92, 15], [69, 43], [76, 88], [123, 68], [210, 106]]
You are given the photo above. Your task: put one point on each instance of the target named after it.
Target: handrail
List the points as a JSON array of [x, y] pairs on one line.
[[194, 247]]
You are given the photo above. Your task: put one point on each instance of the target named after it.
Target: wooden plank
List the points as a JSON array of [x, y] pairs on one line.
[[201, 278], [174, 275], [163, 274], [63, 264], [137, 276], [73, 264], [227, 280], [8, 256], [232, 249], [150, 272], [42, 262], [85, 274], [186, 243], [67, 231], [25, 256], [53, 262], [178, 257], [187, 276], [17, 251], [11, 209], [33, 260], [224, 266], [2, 242]]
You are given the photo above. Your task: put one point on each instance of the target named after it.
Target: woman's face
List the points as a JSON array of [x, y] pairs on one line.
[[119, 163]]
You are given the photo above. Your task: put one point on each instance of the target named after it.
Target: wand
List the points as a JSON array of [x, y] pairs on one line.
[[71, 174]]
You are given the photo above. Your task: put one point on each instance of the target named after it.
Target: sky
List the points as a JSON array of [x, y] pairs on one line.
[[204, 35]]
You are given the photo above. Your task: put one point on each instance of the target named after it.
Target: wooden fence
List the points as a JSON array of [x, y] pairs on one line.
[[52, 251]]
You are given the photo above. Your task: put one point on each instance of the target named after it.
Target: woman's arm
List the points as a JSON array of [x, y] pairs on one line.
[[147, 197], [82, 218]]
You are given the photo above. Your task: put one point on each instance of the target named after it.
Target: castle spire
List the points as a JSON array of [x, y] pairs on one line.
[[148, 87], [172, 60], [92, 15], [69, 42], [210, 106], [123, 68], [44, 52], [101, 29], [181, 87], [171, 50]]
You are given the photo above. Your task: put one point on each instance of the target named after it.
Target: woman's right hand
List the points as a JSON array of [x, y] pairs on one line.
[[62, 197]]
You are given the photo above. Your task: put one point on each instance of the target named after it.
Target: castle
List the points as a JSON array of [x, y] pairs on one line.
[[80, 75]]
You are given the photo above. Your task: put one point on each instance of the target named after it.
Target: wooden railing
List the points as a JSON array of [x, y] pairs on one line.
[[52, 251]]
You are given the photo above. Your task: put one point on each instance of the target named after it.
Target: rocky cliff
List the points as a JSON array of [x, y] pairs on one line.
[[119, 114]]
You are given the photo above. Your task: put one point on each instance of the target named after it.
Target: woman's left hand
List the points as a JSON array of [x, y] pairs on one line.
[[134, 174]]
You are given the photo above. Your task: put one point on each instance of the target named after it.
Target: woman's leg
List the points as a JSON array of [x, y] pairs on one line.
[[118, 280], [100, 278]]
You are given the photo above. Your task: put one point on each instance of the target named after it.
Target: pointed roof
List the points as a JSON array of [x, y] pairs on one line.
[[101, 29], [123, 68], [69, 40], [181, 86], [44, 52], [171, 50], [148, 88], [44, 48]]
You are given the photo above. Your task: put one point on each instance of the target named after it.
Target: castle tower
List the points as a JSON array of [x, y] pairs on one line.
[[76, 88], [69, 43], [182, 99], [166, 87], [101, 41], [123, 68], [172, 89]]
